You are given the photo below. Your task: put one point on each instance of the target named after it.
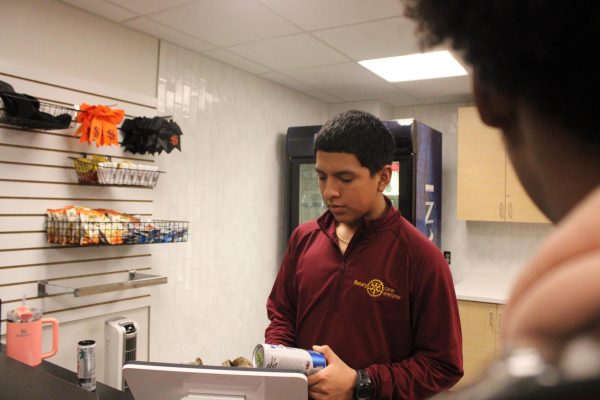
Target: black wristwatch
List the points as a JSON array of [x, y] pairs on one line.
[[363, 388]]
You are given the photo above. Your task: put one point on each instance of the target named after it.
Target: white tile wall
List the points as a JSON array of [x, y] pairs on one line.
[[54, 36], [229, 181]]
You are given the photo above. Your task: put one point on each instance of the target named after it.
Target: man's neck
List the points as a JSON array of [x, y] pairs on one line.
[[379, 209]]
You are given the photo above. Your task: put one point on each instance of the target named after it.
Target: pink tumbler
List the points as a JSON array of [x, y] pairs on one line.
[[24, 335]]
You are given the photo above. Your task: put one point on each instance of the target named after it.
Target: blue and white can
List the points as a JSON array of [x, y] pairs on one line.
[[282, 357]]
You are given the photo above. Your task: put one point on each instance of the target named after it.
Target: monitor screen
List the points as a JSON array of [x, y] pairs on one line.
[[161, 381]]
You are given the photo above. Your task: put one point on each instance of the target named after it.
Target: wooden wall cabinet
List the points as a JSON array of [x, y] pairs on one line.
[[488, 188], [480, 324]]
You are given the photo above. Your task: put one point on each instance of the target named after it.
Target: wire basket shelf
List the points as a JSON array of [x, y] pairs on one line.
[[28, 112], [78, 233], [92, 172]]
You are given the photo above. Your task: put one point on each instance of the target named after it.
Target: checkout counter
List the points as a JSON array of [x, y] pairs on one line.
[[49, 382]]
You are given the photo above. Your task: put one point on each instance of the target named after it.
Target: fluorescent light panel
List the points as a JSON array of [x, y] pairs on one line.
[[415, 67]]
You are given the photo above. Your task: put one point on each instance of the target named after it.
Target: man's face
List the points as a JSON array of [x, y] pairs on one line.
[[347, 187]]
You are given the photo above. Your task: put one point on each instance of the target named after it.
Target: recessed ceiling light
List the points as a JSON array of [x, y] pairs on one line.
[[415, 67]]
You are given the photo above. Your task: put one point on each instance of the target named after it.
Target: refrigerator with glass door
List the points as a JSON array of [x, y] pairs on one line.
[[415, 188]]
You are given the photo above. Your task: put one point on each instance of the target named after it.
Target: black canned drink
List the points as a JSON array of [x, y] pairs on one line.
[[282, 357], [86, 364]]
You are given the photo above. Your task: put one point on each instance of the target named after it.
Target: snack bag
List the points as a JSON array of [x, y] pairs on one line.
[[60, 223], [118, 227], [92, 222], [51, 226], [72, 226]]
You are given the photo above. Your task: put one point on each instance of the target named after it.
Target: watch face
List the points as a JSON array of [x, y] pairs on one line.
[[363, 391]]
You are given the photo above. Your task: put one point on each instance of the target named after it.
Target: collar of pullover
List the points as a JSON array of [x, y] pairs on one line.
[[366, 225]]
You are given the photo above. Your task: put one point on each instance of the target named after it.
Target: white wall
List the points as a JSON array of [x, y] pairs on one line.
[[50, 35], [377, 108], [230, 182], [492, 249]]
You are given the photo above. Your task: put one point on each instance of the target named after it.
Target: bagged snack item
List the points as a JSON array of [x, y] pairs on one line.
[[92, 221], [87, 171], [124, 169], [72, 226], [60, 223], [114, 232], [87, 168], [51, 225], [105, 173]]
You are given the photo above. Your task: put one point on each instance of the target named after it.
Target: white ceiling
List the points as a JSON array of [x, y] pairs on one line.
[[311, 46]]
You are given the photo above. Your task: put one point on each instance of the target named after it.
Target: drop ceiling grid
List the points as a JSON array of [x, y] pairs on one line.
[[310, 46]]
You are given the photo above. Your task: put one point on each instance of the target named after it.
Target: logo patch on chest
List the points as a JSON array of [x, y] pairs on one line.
[[376, 288]]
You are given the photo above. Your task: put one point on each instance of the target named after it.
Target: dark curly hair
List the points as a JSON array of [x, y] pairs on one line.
[[542, 50], [359, 133]]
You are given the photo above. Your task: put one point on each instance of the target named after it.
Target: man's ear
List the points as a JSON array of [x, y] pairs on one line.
[[385, 176], [495, 108]]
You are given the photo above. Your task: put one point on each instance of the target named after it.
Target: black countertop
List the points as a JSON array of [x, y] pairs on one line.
[[47, 381]]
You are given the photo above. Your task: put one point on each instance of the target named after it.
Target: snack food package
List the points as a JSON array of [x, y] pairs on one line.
[[92, 221]]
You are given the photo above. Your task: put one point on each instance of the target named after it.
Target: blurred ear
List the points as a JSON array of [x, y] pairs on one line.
[[384, 177], [495, 108]]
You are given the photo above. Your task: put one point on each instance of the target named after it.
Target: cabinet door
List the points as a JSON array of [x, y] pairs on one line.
[[519, 206], [499, 312], [478, 322], [481, 169]]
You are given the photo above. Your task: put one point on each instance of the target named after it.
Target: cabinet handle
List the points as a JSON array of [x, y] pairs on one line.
[[492, 319], [501, 209], [510, 215], [498, 325]]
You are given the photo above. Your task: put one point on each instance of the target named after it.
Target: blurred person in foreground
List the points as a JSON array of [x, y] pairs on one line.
[[535, 77]]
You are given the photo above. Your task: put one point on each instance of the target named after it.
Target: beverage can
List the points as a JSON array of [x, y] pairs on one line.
[[282, 357], [86, 364]]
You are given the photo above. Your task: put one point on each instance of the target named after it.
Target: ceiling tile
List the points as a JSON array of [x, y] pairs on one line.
[[380, 91], [103, 8], [236, 61], [287, 81], [144, 7], [334, 75], [226, 22], [289, 52], [385, 38], [454, 86], [158, 30], [319, 14]]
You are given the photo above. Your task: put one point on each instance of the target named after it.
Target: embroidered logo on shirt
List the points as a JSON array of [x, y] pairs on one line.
[[376, 288]]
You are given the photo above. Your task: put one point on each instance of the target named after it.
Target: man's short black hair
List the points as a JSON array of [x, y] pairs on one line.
[[359, 133], [541, 50]]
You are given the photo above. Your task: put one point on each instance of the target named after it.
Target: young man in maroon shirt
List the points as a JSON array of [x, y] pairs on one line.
[[361, 284]]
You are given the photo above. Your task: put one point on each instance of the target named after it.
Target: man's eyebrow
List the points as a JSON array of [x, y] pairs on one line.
[[338, 173]]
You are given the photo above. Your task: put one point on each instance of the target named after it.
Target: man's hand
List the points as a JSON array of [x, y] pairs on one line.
[[334, 382]]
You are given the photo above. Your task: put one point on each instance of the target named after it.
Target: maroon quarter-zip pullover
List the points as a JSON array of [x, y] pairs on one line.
[[387, 305]]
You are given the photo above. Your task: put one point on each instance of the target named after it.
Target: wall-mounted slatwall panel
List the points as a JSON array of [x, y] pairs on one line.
[[36, 173]]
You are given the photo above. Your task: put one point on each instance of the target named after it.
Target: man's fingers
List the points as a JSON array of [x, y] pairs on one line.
[[330, 356], [314, 379]]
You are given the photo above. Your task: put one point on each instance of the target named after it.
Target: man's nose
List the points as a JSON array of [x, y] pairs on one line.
[[330, 190]]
